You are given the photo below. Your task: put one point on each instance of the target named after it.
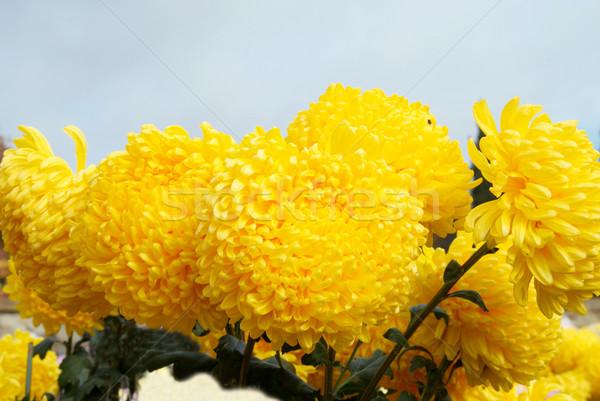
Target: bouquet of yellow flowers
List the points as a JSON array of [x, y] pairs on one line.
[[315, 251]]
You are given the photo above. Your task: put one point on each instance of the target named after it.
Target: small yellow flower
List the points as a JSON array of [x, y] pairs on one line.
[[40, 200], [545, 176], [374, 126], [13, 369], [138, 236], [306, 243], [30, 305]]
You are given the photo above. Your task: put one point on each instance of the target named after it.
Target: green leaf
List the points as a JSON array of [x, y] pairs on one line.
[[42, 348], [469, 295], [199, 330], [72, 368], [406, 396], [319, 356], [452, 272], [361, 371], [49, 396], [274, 381], [286, 365], [438, 312], [396, 336], [419, 361]]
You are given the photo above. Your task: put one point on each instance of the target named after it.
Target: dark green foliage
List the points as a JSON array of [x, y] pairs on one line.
[[438, 312], [361, 370], [396, 336], [469, 295], [452, 272], [265, 375]]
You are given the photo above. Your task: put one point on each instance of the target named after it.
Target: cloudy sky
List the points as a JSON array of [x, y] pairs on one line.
[[109, 66]]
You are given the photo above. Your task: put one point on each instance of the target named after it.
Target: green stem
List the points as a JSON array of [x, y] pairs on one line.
[[29, 368], [328, 390], [347, 365], [69, 345], [416, 322], [246, 362], [278, 357]]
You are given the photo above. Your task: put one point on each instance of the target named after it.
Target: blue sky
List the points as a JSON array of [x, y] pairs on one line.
[[110, 66]]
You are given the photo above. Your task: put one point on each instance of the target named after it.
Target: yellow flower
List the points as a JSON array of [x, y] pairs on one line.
[[30, 305], [138, 236], [578, 356], [373, 126], [574, 383], [510, 343], [13, 369], [305, 244], [545, 176], [543, 391], [40, 200]]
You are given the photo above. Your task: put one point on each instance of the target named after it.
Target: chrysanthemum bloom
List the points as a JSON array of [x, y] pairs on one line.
[[40, 201], [13, 369], [579, 355], [509, 344], [372, 126], [546, 177], [30, 305], [305, 244], [138, 235]]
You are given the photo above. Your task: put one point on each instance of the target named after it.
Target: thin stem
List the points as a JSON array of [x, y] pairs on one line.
[[328, 393], [69, 345], [347, 365], [246, 362], [416, 322], [278, 358], [29, 368]]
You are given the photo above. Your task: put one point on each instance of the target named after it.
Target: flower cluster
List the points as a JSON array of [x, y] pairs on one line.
[[13, 369], [30, 305], [545, 176], [323, 233]]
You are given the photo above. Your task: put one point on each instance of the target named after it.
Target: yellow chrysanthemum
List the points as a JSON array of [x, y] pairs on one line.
[[579, 356], [138, 235], [40, 200], [13, 369], [373, 126], [305, 244], [30, 305], [508, 344], [545, 176]]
